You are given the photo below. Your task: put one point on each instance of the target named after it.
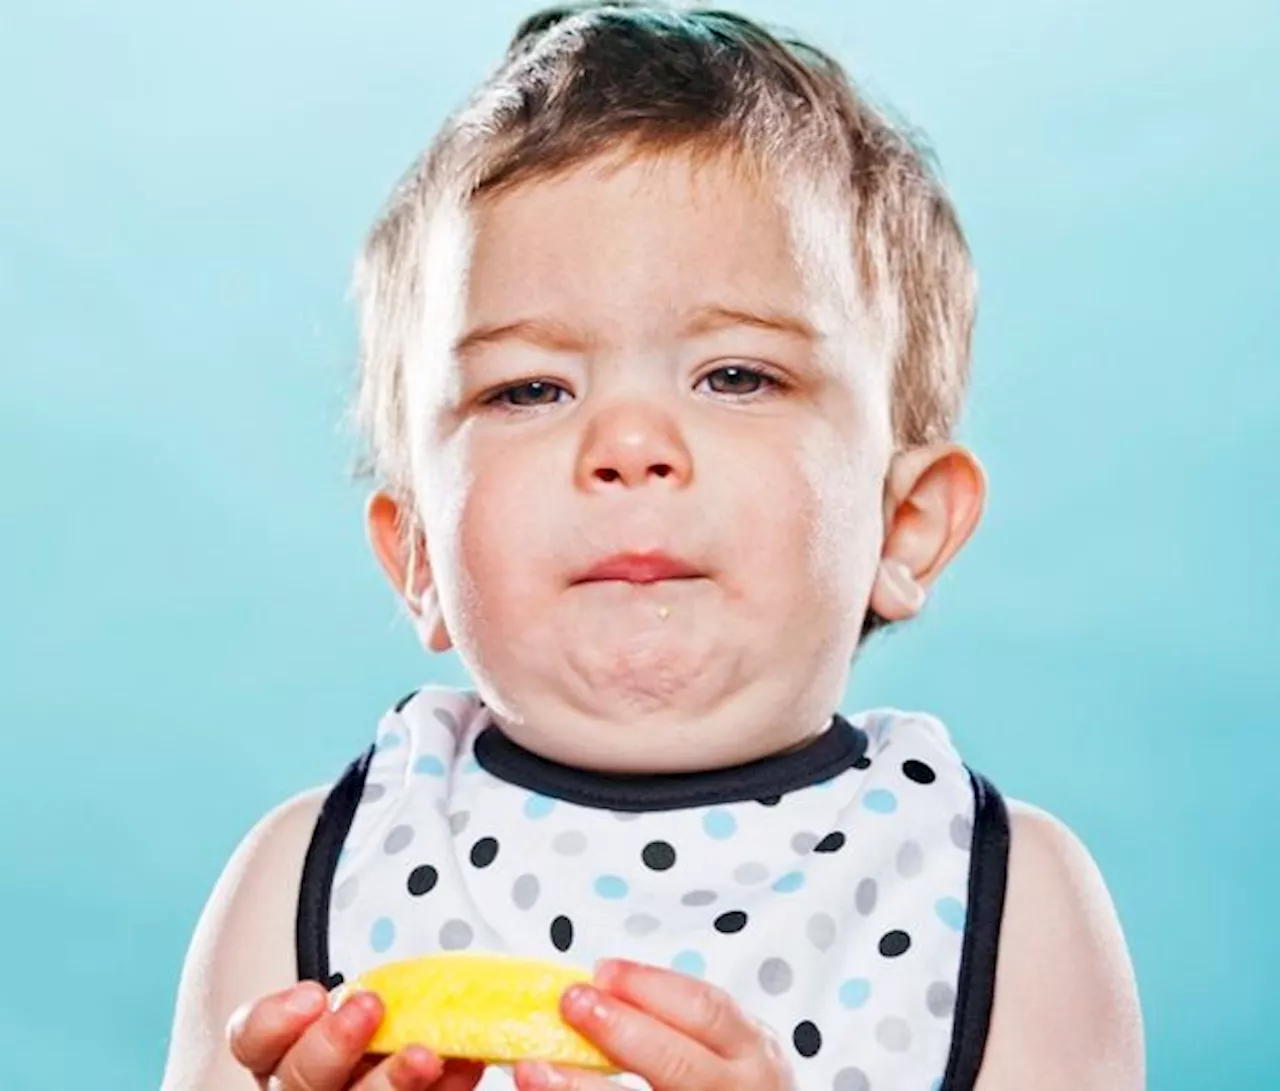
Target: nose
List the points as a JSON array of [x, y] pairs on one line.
[[628, 444]]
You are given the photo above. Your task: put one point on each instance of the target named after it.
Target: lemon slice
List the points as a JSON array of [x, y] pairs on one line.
[[486, 1007]]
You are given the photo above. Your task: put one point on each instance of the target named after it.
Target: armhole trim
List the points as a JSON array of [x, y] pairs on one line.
[[311, 932], [975, 991]]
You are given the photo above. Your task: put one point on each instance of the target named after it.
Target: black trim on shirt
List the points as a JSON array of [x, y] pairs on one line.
[[975, 988], [829, 754], [311, 935]]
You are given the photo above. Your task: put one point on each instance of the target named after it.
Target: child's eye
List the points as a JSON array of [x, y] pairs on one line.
[[527, 395], [739, 380]]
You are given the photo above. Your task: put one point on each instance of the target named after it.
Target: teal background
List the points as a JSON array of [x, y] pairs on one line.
[[194, 629]]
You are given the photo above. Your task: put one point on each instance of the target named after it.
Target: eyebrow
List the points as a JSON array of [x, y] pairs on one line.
[[557, 336]]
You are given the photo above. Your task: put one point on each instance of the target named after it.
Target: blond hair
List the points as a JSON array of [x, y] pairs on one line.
[[584, 80]]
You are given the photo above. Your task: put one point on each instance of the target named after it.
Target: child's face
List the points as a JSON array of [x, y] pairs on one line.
[[600, 391]]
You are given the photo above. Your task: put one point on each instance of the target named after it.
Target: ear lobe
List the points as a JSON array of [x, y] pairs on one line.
[[933, 501], [428, 622]]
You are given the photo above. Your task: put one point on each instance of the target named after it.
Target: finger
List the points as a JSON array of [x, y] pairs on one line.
[[414, 1068], [328, 1053], [637, 1042], [261, 1032], [540, 1076], [461, 1076], [702, 1012]]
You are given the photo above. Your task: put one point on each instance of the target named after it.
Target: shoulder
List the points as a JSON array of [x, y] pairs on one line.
[[1066, 1011], [243, 944]]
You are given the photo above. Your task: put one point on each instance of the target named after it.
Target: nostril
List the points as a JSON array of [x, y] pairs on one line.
[[662, 470], [606, 474]]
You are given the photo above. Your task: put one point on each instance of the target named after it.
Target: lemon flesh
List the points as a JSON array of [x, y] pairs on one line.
[[493, 1008]]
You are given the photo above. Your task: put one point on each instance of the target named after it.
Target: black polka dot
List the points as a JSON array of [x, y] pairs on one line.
[[733, 921], [919, 772], [893, 944], [769, 801], [422, 880], [863, 762], [562, 933], [658, 856], [807, 1038], [334, 980], [484, 851], [833, 842]]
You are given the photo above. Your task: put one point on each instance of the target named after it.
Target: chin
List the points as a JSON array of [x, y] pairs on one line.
[[636, 733]]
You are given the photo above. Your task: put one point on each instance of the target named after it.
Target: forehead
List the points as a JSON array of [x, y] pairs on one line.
[[631, 239]]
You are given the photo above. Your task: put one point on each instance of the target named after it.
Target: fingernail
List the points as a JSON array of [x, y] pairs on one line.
[[420, 1061], [584, 1002], [305, 999], [358, 1010]]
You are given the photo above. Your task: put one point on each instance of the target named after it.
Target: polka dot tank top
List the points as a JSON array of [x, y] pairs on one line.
[[848, 894]]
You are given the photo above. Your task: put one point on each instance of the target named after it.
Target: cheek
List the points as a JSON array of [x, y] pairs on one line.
[[504, 539], [843, 519]]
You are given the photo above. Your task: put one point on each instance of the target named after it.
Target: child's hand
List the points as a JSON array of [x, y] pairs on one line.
[[291, 1042], [677, 1032]]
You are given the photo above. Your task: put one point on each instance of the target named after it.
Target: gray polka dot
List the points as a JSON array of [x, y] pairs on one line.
[[447, 718], [894, 1034], [455, 935], [750, 873], [458, 821], [698, 897], [961, 832], [940, 999], [372, 793], [775, 976], [525, 890], [910, 860], [442, 806], [570, 843], [346, 892], [397, 840], [864, 898], [626, 816], [821, 930], [851, 1079], [803, 842], [641, 924]]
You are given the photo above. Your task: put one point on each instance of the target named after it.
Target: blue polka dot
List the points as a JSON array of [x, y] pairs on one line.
[[855, 992], [429, 765], [719, 824], [880, 800], [389, 741], [790, 882], [689, 962], [471, 766], [383, 934], [611, 886], [537, 806], [936, 1085], [951, 913]]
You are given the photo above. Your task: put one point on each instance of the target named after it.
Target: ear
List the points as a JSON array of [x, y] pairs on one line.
[[934, 497], [401, 550]]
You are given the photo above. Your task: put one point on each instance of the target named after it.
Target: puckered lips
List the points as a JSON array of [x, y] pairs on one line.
[[650, 566]]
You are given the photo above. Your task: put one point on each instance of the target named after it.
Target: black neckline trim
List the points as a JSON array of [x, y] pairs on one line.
[[831, 753]]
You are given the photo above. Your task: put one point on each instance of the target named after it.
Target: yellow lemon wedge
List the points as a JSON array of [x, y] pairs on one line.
[[487, 1007]]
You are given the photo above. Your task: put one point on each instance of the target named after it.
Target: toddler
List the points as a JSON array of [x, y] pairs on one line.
[[663, 344]]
